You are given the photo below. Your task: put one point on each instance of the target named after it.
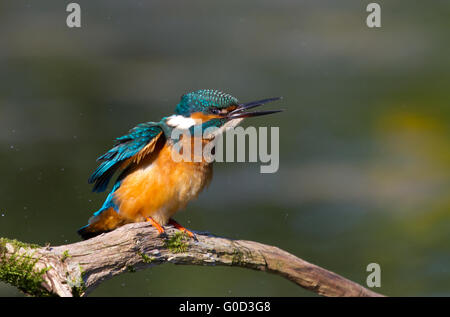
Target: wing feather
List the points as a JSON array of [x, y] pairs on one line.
[[129, 148]]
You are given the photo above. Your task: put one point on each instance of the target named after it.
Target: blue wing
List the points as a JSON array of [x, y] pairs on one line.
[[125, 148]]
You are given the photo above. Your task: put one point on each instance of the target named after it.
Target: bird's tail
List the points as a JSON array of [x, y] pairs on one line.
[[106, 220], [86, 232]]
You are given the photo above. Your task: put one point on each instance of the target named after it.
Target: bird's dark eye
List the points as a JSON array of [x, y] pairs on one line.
[[215, 111]]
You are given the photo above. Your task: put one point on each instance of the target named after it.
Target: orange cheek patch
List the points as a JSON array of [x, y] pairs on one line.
[[200, 116], [231, 108]]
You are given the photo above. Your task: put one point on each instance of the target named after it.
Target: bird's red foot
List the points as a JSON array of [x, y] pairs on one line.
[[156, 225], [181, 228]]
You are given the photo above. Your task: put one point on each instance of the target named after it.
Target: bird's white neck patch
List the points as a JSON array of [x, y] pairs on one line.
[[184, 123], [180, 122]]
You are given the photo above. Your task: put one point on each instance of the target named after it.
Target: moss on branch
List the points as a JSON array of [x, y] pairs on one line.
[[17, 267]]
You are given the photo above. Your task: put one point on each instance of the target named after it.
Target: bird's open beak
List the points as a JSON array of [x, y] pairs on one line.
[[240, 111]]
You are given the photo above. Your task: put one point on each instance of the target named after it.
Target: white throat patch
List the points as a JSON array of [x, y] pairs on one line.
[[180, 122]]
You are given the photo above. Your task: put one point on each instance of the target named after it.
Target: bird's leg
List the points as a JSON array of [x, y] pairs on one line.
[[181, 228], [155, 224]]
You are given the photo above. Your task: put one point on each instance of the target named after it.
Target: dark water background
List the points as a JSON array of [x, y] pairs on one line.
[[364, 149]]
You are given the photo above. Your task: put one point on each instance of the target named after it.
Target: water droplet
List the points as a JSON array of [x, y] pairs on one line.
[[3, 215]]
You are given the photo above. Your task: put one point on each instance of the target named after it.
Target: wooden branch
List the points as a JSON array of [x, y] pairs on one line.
[[76, 269]]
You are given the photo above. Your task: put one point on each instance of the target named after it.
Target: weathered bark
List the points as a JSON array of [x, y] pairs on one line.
[[76, 269]]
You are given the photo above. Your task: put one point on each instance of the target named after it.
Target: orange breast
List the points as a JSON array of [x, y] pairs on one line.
[[159, 187]]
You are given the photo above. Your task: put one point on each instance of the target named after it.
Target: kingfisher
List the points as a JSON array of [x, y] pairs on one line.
[[151, 186]]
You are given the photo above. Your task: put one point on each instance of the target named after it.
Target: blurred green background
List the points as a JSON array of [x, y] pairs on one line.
[[364, 149]]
